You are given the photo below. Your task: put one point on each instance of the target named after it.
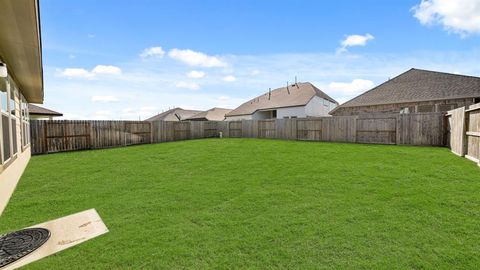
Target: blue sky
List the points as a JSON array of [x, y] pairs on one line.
[[130, 59]]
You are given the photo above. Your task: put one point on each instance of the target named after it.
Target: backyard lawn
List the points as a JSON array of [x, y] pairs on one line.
[[248, 203]]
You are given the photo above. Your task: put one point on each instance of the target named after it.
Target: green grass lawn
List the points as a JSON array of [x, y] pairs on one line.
[[247, 203]]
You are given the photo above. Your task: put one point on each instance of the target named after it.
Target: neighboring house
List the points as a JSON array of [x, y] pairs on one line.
[[175, 114], [214, 114], [21, 82], [294, 101], [415, 91], [37, 112]]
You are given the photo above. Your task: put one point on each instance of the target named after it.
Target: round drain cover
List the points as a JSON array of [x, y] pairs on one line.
[[15, 245]]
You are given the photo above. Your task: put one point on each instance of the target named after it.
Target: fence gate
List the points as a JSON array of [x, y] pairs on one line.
[[210, 129], [181, 130], [377, 130], [266, 128], [66, 136], [309, 129], [235, 129], [137, 133]]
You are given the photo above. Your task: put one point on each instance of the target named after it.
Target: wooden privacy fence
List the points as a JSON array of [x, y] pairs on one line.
[[411, 129], [52, 136], [464, 126]]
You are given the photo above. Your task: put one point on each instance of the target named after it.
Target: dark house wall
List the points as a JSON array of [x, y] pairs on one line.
[[424, 106]]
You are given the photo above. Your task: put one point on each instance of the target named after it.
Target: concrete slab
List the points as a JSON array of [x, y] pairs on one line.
[[65, 232]]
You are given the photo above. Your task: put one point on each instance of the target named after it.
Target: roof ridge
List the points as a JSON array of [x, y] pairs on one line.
[[446, 73], [317, 90], [368, 91]]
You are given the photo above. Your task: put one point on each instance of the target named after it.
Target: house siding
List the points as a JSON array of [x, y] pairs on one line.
[[11, 169], [298, 112], [318, 107], [239, 117]]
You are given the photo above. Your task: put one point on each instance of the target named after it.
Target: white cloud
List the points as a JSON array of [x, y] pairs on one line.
[[198, 59], [112, 70], [351, 88], [196, 74], [229, 78], [458, 16], [354, 40], [104, 99], [188, 85], [76, 73], [91, 35], [81, 73], [152, 52]]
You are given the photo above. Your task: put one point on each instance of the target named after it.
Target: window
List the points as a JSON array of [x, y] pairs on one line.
[[274, 114], [25, 123], [9, 118], [325, 102], [5, 122], [476, 100], [13, 117], [406, 110]]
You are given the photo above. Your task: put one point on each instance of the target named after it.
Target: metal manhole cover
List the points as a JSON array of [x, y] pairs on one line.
[[15, 245]]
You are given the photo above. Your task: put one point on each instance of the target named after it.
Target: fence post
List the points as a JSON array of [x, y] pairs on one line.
[[89, 140], [398, 129], [355, 129], [464, 131], [151, 132], [45, 137], [124, 133]]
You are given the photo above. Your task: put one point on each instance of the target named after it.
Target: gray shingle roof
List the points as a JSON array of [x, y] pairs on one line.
[[214, 114], [173, 115], [37, 110], [296, 95], [418, 85]]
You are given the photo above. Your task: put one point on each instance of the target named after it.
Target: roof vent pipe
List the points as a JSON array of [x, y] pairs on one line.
[[296, 82], [288, 90], [269, 93]]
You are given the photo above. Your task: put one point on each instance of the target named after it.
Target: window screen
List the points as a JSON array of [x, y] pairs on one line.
[[14, 136], [6, 138]]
